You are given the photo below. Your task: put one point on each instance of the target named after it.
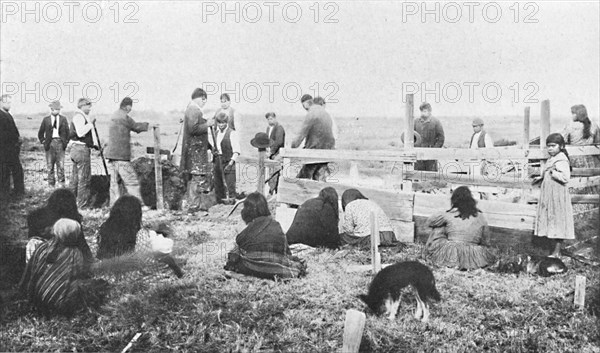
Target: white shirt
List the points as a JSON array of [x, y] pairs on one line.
[[235, 142], [55, 134], [83, 126], [487, 139]]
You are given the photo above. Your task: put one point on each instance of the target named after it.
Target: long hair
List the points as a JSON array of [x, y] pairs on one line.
[[330, 197], [119, 233], [351, 195], [463, 201], [255, 206], [581, 115], [63, 204]]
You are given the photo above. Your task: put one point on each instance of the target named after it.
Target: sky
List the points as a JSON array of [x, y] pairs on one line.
[[363, 57]]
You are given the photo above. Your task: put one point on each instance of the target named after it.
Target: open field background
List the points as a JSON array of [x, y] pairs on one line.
[[208, 312]]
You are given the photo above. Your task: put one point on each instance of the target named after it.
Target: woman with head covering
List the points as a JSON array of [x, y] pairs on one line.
[[58, 275], [316, 221], [122, 234], [61, 204], [356, 226], [261, 248], [458, 237]]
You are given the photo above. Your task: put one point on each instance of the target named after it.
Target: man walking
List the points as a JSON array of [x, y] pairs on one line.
[[118, 151], [10, 148], [432, 136], [317, 131], [82, 141], [54, 135]]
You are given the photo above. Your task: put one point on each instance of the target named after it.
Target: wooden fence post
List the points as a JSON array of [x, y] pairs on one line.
[[544, 129], [526, 129], [409, 138], [375, 255], [158, 169], [261, 171], [353, 330], [579, 299]]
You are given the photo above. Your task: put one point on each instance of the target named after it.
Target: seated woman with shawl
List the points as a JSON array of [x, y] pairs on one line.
[[122, 234], [458, 237], [316, 221], [261, 248], [57, 278], [61, 204], [356, 227]]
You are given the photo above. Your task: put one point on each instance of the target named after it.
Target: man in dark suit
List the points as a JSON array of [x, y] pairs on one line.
[[54, 135], [276, 134], [10, 147]]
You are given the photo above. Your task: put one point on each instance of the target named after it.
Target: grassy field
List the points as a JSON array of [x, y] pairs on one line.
[[209, 312]]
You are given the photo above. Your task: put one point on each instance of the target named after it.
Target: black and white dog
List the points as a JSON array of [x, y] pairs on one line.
[[384, 291]]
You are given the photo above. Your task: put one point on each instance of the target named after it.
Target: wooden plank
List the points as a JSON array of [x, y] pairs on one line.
[[545, 122], [583, 182], [498, 214], [158, 169], [409, 128], [579, 198], [375, 255], [504, 181], [405, 231], [260, 186], [351, 155], [254, 161], [579, 299], [585, 172], [353, 330], [397, 205]]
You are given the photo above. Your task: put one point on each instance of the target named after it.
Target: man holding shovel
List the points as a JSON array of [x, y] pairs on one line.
[[226, 147], [82, 141], [118, 151]]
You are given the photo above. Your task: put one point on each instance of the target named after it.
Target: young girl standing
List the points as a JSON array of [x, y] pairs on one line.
[[555, 212]]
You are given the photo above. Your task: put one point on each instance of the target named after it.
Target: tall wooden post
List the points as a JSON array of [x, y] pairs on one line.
[[375, 255], [526, 129], [409, 138], [579, 299], [544, 128], [261, 171], [158, 169]]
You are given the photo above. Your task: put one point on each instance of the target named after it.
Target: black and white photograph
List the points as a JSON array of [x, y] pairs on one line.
[[299, 176]]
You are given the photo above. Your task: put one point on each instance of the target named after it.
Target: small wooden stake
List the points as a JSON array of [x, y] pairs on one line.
[[353, 330], [579, 291], [375, 256], [261, 171], [158, 169]]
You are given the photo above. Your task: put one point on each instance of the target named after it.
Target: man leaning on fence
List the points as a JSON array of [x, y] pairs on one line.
[[118, 151]]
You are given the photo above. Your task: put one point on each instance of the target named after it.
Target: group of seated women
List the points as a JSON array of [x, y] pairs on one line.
[[60, 273]]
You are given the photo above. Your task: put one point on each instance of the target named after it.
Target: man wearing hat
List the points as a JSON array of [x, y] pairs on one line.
[[10, 148], [118, 151], [54, 135], [480, 138], [82, 137], [226, 146]]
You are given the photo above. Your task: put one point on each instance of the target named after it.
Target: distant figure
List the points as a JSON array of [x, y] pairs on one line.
[[58, 278], [317, 133], [432, 136], [10, 148], [194, 155], [555, 213], [231, 113], [458, 237], [261, 248], [118, 151], [580, 132], [54, 135], [316, 221], [122, 233], [356, 226], [276, 134], [306, 101], [226, 148], [480, 137], [82, 141]]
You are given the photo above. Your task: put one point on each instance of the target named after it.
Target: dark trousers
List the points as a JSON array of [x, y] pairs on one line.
[[225, 180], [55, 156], [13, 168], [317, 171], [82, 174]]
